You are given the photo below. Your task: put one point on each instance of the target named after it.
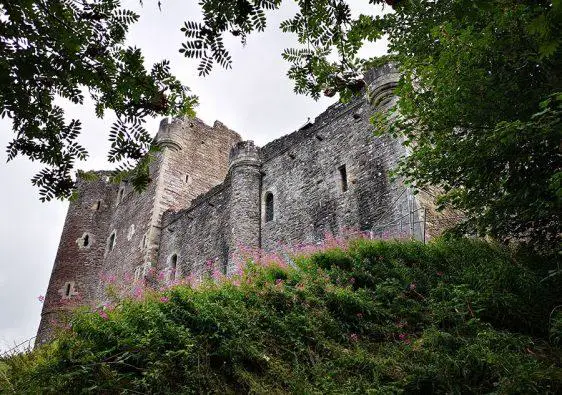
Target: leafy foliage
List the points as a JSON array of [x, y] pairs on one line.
[[381, 317], [58, 49], [479, 99], [205, 40]]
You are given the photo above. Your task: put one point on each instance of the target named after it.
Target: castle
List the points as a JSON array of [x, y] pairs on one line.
[[212, 194]]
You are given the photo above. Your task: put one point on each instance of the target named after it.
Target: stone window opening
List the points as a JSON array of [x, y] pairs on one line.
[[68, 291], [121, 195], [343, 177], [111, 242], [268, 207], [172, 267], [85, 241], [97, 205], [187, 179]]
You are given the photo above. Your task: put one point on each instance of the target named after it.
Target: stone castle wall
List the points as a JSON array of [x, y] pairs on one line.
[[211, 192]]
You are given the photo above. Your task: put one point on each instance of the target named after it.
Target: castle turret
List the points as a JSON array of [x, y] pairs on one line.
[[381, 83], [245, 217], [75, 276], [169, 136]]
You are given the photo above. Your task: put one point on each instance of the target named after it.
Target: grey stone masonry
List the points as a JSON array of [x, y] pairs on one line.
[[213, 196]]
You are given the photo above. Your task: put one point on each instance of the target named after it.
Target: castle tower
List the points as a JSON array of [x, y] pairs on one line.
[[121, 238], [75, 276], [245, 211]]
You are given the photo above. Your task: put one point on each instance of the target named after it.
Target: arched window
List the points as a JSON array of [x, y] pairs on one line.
[[172, 266], [268, 207]]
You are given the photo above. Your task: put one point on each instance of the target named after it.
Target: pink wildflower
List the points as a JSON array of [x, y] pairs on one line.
[[41, 298], [439, 274], [279, 282], [164, 299], [402, 336], [359, 315], [103, 314], [353, 337], [138, 292], [412, 286], [352, 280]]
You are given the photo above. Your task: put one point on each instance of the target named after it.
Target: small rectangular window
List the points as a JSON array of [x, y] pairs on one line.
[[343, 178], [268, 207]]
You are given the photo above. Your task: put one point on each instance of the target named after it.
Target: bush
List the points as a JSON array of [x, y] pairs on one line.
[[458, 316]]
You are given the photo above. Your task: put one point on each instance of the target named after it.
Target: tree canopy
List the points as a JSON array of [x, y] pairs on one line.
[[66, 49]]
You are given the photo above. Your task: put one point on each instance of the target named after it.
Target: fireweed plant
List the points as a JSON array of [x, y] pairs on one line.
[[359, 316]]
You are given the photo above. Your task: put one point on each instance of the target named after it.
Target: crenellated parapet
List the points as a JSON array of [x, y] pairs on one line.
[[381, 83], [245, 153], [169, 136]]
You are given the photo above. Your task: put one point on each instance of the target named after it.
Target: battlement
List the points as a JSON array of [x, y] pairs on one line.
[[244, 153]]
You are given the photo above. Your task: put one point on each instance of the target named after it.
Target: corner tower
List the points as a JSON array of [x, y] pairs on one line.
[[122, 238], [74, 279], [245, 212]]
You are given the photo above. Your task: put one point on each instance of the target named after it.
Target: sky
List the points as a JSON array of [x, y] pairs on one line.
[[254, 98]]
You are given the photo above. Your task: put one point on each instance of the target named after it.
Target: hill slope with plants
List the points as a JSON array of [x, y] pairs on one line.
[[458, 316]]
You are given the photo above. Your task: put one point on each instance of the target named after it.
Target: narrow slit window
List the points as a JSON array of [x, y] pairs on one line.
[[173, 266], [67, 291], [86, 241], [268, 207], [98, 204], [343, 177], [111, 243], [187, 178]]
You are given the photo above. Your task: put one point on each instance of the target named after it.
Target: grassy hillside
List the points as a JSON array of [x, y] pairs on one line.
[[380, 317]]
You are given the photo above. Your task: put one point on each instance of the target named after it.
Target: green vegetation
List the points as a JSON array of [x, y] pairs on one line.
[[456, 316], [53, 49]]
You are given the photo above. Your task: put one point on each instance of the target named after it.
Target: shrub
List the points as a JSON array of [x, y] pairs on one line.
[[456, 316]]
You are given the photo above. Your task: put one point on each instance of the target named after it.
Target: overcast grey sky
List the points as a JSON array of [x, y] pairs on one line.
[[255, 98]]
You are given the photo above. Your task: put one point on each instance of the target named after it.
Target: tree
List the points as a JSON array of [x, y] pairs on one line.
[[60, 49], [480, 97]]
